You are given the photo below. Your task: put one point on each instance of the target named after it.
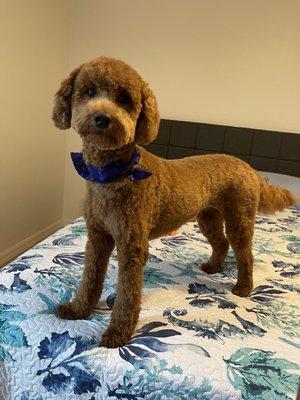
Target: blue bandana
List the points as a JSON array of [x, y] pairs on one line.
[[110, 172]]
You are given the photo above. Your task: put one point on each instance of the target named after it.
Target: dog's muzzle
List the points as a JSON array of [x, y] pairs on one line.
[[101, 121]]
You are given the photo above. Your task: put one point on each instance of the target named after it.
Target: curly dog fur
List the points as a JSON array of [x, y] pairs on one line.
[[214, 189]]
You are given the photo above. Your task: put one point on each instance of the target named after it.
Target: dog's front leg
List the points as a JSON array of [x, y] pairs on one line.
[[97, 252], [132, 257]]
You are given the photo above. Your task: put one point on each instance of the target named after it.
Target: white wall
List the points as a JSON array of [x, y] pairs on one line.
[[34, 44]]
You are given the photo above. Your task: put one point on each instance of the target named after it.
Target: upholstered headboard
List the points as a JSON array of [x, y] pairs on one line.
[[264, 150]]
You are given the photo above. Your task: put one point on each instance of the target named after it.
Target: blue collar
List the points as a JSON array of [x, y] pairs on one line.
[[110, 172]]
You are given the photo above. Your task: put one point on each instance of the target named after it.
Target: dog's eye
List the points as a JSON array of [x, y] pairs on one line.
[[91, 91], [124, 99]]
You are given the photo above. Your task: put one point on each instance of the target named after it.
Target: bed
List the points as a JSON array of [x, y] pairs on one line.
[[194, 340]]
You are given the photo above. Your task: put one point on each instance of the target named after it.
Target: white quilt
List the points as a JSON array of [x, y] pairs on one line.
[[194, 340]]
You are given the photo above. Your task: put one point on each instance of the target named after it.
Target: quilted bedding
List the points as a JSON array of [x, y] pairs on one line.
[[194, 340]]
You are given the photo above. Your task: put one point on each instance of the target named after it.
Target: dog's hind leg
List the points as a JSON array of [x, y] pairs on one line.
[[211, 223], [239, 231]]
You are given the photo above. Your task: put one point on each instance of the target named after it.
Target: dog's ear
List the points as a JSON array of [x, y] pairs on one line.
[[62, 111], [148, 121]]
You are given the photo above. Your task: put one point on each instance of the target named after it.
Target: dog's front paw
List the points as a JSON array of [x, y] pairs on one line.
[[115, 338], [210, 268], [71, 311], [242, 291]]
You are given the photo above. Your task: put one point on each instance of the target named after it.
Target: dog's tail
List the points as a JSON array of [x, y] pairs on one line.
[[273, 198]]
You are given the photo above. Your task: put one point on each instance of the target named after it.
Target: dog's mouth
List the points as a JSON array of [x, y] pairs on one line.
[[106, 137]]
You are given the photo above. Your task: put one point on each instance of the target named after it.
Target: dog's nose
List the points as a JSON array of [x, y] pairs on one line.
[[101, 121]]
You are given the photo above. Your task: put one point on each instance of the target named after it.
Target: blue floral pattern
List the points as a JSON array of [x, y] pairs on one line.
[[11, 335], [67, 364], [250, 370], [195, 339]]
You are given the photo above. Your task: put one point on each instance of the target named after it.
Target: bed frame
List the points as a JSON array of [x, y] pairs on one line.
[[264, 150]]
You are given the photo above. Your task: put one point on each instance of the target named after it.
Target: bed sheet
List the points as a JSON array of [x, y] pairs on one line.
[[194, 340]]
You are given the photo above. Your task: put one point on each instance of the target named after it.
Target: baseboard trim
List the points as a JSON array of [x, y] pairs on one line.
[[11, 253], [67, 221]]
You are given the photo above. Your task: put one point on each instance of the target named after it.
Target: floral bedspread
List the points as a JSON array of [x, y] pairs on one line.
[[194, 340]]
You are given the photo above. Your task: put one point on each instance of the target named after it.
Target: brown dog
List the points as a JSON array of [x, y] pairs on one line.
[[114, 111]]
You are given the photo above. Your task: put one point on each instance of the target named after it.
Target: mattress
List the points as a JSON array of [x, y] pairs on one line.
[[194, 339]]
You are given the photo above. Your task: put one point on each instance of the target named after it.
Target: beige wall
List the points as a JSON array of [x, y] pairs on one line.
[[34, 43], [232, 62]]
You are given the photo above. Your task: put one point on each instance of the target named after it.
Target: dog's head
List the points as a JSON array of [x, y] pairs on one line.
[[108, 104]]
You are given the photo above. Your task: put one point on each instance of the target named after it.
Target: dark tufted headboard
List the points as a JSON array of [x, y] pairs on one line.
[[264, 150]]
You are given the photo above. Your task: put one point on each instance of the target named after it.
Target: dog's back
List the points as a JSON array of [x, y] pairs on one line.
[[188, 185]]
